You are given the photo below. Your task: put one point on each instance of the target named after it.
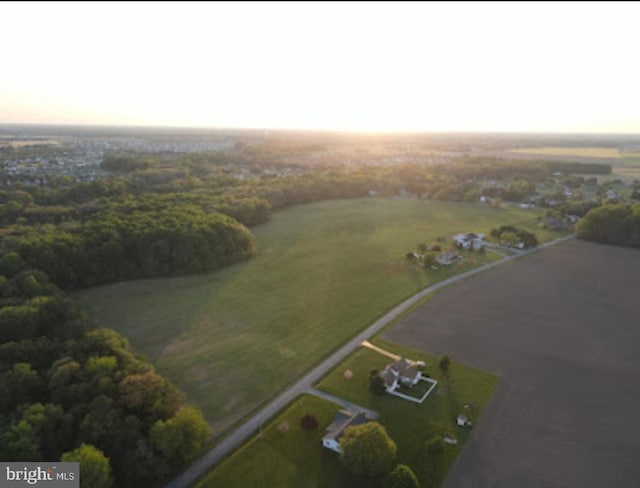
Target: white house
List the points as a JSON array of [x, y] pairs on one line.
[[342, 420], [470, 240], [402, 371]]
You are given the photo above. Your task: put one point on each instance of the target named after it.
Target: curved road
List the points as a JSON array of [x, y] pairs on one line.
[[236, 438]]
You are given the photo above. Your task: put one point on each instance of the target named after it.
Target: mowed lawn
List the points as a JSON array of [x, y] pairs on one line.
[[289, 457], [232, 339], [285, 456]]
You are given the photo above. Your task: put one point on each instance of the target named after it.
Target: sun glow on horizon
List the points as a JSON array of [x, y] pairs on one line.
[[369, 67]]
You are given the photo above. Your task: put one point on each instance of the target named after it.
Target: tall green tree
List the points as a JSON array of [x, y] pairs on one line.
[[367, 449], [180, 438], [95, 469]]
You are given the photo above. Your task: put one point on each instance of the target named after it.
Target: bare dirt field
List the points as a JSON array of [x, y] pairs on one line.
[[562, 330]]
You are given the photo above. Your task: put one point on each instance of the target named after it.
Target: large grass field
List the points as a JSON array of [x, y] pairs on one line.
[[232, 339], [295, 458], [631, 159]]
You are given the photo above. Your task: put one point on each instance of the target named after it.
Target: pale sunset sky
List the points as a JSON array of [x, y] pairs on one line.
[[515, 67]]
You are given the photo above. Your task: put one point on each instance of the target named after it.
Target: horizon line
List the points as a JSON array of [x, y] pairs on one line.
[[311, 130]]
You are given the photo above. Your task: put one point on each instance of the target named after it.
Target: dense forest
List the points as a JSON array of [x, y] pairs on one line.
[[116, 245], [64, 385]]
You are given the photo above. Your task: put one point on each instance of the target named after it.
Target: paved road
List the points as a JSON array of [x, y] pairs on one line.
[[245, 431]]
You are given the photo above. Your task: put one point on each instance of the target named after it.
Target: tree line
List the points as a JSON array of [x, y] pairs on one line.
[[617, 224], [116, 244]]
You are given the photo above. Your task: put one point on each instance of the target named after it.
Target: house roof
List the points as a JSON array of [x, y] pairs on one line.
[[468, 236], [342, 420], [447, 257], [402, 368], [406, 368], [388, 377]]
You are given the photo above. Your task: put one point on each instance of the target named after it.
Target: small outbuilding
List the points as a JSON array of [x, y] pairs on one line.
[[463, 420]]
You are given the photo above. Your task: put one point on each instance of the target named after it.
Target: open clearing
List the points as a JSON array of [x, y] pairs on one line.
[[27, 143], [561, 329], [234, 338], [624, 173]]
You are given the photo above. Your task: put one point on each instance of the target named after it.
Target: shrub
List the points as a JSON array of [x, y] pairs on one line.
[[445, 362], [376, 385], [401, 477], [309, 422], [429, 259]]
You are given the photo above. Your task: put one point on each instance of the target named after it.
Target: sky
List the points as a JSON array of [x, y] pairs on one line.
[[360, 66]]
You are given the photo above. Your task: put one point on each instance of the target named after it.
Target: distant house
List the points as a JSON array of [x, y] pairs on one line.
[[404, 372], [447, 258], [554, 223], [342, 420], [470, 240], [463, 421]]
